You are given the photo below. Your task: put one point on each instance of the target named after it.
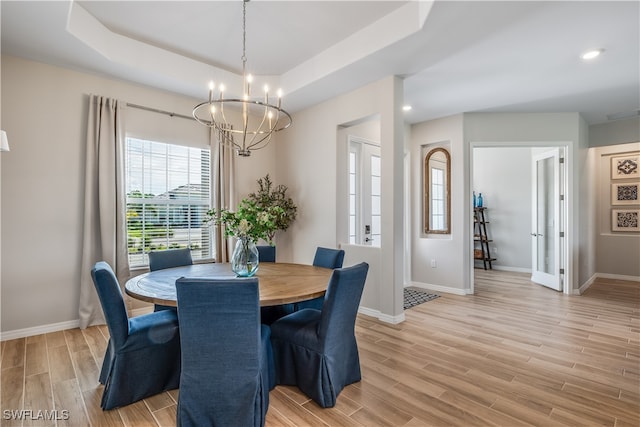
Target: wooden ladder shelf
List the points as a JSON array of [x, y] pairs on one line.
[[483, 253]]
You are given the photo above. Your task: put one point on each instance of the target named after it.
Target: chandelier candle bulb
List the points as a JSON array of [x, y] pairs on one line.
[[249, 80]]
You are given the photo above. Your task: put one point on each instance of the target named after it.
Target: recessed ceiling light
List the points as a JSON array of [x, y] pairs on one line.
[[592, 54], [406, 108]]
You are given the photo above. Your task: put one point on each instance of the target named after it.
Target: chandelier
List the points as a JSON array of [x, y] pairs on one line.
[[256, 119]]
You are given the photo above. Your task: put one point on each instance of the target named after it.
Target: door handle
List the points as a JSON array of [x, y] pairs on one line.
[[534, 234], [367, 239]]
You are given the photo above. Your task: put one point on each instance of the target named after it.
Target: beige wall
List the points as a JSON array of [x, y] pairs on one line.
[[553, 128], [617, 253], [451, 273], [616, 132], [307, 163], [466, 131], [44, 109]]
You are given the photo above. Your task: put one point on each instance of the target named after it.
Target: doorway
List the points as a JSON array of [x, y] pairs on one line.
[[522, 185]]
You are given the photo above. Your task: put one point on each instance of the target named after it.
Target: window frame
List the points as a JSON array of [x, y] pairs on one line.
[[427, 226], [180, 208]]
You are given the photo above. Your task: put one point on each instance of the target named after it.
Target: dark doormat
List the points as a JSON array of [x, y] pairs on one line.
[[413, 297]]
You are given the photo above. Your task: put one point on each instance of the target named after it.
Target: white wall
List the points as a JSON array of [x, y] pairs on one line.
[[44, 110], [306, 161], [503, 176]]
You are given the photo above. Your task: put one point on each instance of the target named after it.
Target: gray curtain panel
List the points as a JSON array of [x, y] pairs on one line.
[[105, 234], [223, 191]]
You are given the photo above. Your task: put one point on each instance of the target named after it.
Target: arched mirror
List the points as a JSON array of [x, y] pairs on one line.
[[437, 199]]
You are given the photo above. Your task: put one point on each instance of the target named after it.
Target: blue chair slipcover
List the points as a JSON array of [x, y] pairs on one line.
[[159, 260], [143, 354], [227, 360], [316, 349], [266, 253], [327, 258]]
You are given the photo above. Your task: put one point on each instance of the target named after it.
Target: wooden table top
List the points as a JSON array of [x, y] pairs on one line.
[[280, 283]]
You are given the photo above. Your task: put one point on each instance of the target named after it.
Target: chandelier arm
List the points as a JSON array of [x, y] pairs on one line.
[[224, 118], [264, 117], [261, 143], [245, 124]]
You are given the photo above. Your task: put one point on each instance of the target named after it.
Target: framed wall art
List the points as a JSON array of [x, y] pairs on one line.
[[625, 220], [625, 193], [625, 167]]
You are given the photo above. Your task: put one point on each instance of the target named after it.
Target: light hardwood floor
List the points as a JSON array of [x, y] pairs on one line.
[[514, 354]]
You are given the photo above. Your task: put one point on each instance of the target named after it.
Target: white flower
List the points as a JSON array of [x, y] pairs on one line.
[[243, 227], [263, 217]]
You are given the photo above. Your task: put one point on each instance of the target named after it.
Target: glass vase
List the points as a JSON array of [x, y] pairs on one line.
[[244, 261]]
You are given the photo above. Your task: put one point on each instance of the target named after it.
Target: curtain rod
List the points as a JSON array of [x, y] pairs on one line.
[[155, 110]]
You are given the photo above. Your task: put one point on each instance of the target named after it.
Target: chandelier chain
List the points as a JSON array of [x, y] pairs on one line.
[[244, 36]]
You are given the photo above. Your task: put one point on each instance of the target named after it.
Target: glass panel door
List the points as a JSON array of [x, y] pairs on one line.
[[546, 228], [365, 215]]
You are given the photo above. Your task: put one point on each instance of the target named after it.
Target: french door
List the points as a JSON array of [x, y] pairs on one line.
[[547, 229], [364, 193]]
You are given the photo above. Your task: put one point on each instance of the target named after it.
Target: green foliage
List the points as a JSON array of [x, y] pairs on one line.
[[140, 239], [270, 196], [249, 221]]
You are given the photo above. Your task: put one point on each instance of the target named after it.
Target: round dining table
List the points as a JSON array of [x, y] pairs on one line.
[[280, 283]]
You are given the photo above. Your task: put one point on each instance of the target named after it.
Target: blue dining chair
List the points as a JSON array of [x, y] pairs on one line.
[[327, 258], [316, 349], [143, 354], [266, 253], [169, 258], [227, 360], [324, 257]]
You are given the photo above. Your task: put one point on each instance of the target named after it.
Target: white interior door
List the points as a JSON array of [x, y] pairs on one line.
[[547, 229], [364, 193]]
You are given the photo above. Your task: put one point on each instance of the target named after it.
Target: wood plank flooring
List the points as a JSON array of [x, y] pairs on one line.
[[514, 354]]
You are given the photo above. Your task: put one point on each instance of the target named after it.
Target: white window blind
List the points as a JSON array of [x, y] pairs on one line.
[[168, 194]]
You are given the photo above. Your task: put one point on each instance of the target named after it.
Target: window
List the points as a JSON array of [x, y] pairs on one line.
[[353, 194], [437, 199], [168, 194]]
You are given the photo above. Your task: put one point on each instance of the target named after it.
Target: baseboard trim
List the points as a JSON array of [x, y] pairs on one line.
[[586, 285], [37, 330], [511, 269], [56, 327], [617, 277], [381, 316], [440, 288]]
